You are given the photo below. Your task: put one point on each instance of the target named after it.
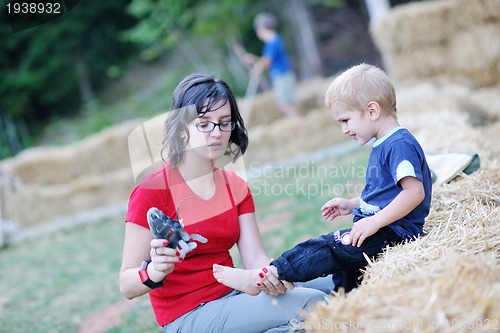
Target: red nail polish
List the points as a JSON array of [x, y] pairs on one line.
[[258, 284], [261, 275], [264, 269], [165, 243]]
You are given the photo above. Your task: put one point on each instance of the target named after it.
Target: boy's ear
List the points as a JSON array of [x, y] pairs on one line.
[[373, 109]]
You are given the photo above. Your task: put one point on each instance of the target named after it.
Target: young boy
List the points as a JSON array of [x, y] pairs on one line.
[[392, 207], [275, 59]]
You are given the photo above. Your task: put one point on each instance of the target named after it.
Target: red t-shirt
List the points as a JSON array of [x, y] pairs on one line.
[[192, 281]]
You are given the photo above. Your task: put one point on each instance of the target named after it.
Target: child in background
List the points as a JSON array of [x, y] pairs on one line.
[[275, 60], [392, 207]]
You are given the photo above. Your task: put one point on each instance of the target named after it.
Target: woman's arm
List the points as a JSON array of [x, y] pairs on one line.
[[139, 245], [252, 252], [254, 256]]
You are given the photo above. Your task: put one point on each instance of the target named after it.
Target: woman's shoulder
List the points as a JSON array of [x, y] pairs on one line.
[[156, 179], [231, 177]]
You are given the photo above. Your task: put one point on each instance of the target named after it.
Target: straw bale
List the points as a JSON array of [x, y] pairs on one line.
[[414, 97], [145, 145], [488, 99], [447, 131], [423, 62], [451, 118], [289, 137], [411, 26], [450, 39], [456, 293], [264, 109], [309, 96], [449, 279], [46, 183], [475, 55], [35, 204], [470, 13], [103, 152], [482, 106]]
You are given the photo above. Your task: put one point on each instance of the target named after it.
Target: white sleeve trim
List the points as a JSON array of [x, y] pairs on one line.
[[367, 208], [405, 169]]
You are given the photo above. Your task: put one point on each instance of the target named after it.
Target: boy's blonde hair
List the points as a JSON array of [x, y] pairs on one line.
[[358, 86]]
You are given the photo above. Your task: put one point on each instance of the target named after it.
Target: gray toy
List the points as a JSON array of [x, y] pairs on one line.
[[164, 227]]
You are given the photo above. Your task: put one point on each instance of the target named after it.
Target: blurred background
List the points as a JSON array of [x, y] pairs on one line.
[[103, 62]]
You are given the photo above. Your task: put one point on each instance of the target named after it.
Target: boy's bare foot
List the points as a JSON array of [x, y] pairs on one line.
[[239, 279]]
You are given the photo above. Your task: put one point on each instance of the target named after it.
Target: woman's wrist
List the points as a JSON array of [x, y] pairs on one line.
[[154, 275]]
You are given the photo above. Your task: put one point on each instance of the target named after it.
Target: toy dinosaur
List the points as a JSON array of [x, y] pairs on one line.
[[164, 227]]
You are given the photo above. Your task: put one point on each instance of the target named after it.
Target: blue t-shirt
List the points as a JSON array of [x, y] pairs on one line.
[[275, 50], [393, 157]]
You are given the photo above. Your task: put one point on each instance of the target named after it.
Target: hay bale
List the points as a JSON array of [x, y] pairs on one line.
[[479, 60], [145, 145], [456, 293], [470, 13], [451, 39], [264, 109], [289, 137], [45, 183], [413, 25], [100, 153], [424, 62], [309, 96], [449, 278], [36, 205]]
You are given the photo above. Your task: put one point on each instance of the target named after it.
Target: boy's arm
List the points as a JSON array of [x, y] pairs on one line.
[[339, 206], [253, 59], [409, 198]]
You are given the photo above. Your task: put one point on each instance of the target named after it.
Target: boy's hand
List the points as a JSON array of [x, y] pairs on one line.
[[336, 207], [363, 229]]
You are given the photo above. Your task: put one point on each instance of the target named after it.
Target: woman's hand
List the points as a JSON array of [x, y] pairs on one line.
[[270, 284], [163, 260]]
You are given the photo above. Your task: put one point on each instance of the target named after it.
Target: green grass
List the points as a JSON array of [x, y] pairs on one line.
[[53, 283], [300, 191]]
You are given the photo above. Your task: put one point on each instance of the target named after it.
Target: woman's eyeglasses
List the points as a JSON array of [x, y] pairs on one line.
[[209, 126]]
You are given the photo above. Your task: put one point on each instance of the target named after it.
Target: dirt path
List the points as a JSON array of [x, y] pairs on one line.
[[107, 318]]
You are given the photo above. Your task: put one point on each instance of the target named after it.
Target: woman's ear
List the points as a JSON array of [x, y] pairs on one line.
[[373, 110]]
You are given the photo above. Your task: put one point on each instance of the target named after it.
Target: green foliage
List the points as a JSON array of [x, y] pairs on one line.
[[163, 24], [41, 65]]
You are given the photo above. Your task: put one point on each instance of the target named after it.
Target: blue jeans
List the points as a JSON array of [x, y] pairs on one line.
[[332, 254]]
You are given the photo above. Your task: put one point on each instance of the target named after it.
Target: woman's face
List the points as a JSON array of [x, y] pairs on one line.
[[211, 144]]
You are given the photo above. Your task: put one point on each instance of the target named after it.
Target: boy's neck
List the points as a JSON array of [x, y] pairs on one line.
[[386, 125], [268, 35]]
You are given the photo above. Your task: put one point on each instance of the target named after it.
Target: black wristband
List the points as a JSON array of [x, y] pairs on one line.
[[143, 274]]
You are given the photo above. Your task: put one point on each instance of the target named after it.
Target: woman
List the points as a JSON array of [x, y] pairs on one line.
[[203, 125]]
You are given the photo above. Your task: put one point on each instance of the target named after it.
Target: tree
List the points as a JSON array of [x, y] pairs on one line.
[[50, 69], [299, 16]]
